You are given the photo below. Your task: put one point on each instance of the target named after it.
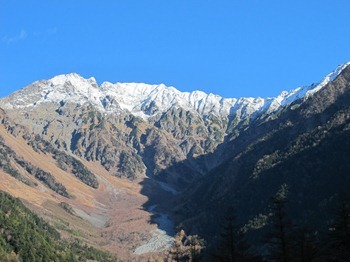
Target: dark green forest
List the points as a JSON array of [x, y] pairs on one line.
[[283, 239], [26, 237]]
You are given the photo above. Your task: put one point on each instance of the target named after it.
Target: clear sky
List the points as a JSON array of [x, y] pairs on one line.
[[227, 47]]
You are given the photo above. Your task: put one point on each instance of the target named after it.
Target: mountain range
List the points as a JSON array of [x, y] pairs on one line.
[[119, 166]]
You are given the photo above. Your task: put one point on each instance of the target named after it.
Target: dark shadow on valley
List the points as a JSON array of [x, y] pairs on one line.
[[264, 136], [165, 190]]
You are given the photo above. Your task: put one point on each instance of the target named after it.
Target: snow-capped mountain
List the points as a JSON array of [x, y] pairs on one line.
[[66, 141], [146, 100], [135, 129], [299, 156]]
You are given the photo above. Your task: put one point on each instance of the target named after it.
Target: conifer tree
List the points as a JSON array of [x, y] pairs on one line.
[[305, 245], [339, 236], [232, 246], [278, 239]]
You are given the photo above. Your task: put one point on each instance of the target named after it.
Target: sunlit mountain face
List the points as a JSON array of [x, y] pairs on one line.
[[123, 167]]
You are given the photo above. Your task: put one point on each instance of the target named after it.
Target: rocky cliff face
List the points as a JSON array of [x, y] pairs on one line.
[[137, 130]]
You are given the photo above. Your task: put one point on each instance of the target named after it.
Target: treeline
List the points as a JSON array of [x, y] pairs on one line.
[[284, 240], [277, 238], [26, 237], [64, 161], [45, 177], [7, 155]]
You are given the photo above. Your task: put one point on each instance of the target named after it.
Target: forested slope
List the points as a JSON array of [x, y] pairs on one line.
[[26, 237]]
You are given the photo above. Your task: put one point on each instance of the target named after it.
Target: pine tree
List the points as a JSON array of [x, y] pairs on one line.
[[339, 236], [232, 246], [278, 239], [305, 245]]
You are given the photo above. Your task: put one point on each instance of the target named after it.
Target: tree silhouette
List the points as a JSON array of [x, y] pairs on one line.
[[278, 239], [232, 246], [305, 245], [339, 235]]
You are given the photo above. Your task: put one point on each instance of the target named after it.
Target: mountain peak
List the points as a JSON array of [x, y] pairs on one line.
[[140, 99], [338, 70], [73, 78], [328, 78]]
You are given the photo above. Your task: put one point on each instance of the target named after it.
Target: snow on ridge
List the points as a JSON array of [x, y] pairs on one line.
[[145, 100], [328, 78], [287, 97]]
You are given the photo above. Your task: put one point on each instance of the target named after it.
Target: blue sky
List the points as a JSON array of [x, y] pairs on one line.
[[231, 48]]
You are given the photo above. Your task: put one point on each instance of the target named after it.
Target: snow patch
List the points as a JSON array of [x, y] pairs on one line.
[[145, 101]]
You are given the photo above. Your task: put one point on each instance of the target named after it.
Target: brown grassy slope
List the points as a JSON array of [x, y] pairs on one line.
[[110, 217]]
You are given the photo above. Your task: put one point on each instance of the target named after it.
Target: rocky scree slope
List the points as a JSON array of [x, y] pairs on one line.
[[136, 130]]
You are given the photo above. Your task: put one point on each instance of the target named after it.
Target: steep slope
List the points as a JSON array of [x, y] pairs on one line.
[[139, 130], [26, 237], [304, 149], [67, 146], [61, 188]]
